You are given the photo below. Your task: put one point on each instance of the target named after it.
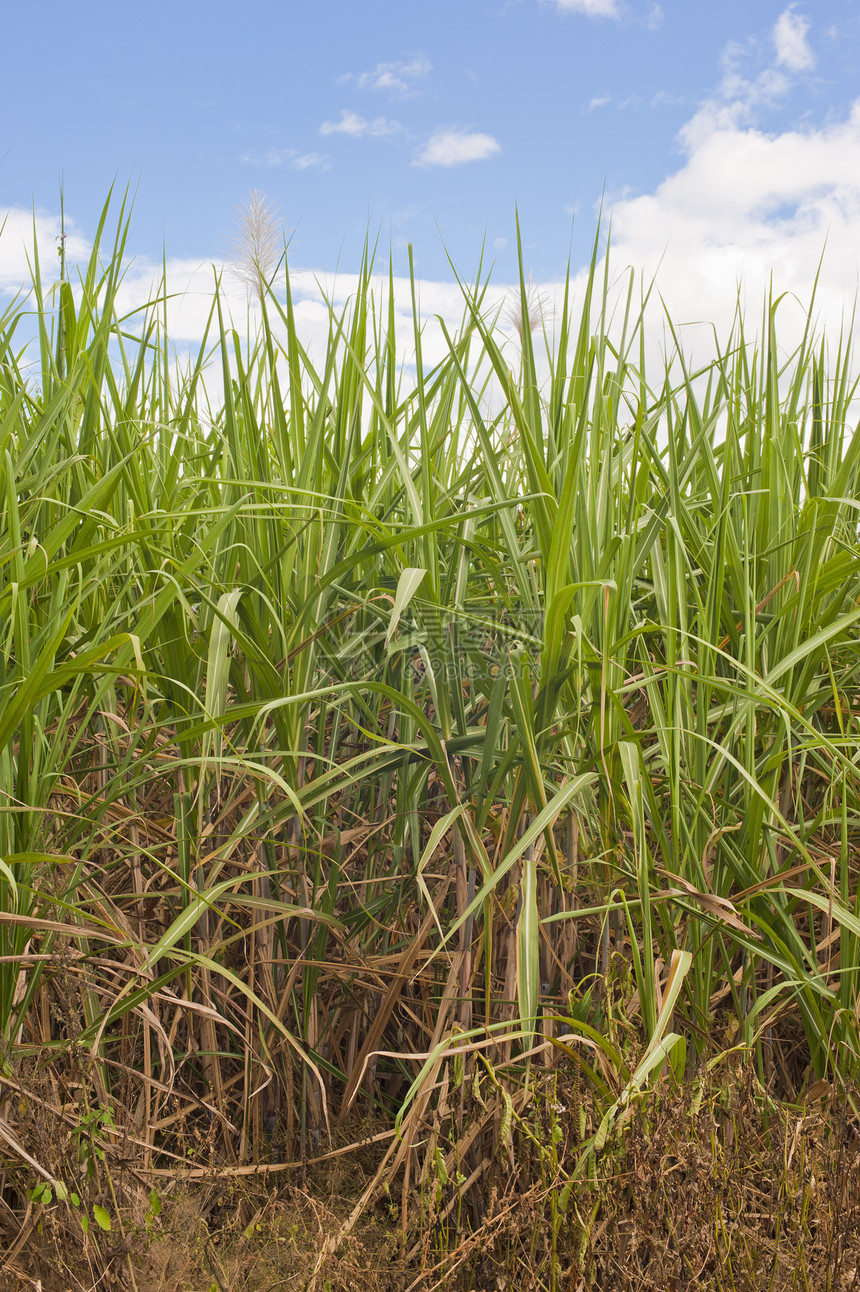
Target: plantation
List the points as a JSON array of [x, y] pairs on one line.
[[429, 835]]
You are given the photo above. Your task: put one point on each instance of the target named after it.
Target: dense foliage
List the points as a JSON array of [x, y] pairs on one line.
[[393, 710]]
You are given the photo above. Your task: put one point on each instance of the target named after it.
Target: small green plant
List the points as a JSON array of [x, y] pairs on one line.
[[153, 1211], [44, 1194], [90, 1124]]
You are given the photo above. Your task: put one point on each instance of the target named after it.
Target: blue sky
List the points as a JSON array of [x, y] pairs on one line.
[[705, 125]]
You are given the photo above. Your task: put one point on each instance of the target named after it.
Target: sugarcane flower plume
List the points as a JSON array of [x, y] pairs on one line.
[[258, 242], [535, 307]]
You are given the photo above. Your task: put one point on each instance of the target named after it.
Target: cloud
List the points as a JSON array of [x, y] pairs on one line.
[[746, 207], [789, 37], [451, 146], [309, 161], [593, 8], [397, 78], [603, 100], [356, 127], [667, 98], [742, 93], [16, 246], [290, 157]]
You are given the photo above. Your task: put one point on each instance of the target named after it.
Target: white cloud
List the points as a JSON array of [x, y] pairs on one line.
[[309, 161], [451, 146], [16, 246], [350, 123], [290, 157], [593, 8], [667, 98], [743, 93], [744, 207], [190, 285], [599, 101], [397, 78], [789, 37]]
